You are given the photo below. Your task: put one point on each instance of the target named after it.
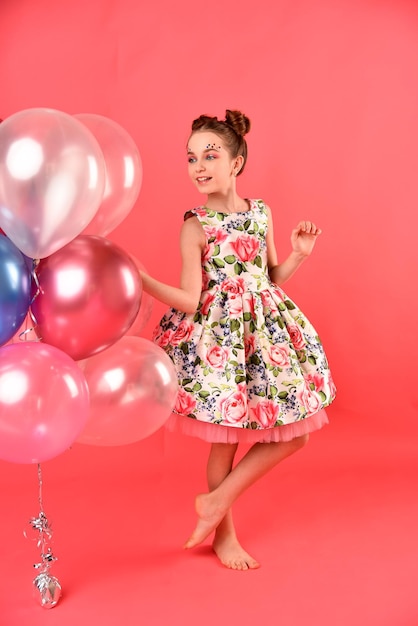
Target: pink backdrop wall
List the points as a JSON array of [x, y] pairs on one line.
[[331, 87]]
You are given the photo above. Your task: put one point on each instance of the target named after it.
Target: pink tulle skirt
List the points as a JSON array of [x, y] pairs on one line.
[[214, 433]]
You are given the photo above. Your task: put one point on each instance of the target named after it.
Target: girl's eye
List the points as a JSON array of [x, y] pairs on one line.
[[191, 160], [210, 157]]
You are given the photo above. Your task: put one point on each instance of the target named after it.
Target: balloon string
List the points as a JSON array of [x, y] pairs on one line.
[[22, 335], [40, 483], [35, 264]]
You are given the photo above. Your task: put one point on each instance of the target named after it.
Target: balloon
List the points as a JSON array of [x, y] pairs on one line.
[[145, 310], [123, 173], [52, 177], [15, 289], [44, 402], [90, 293], [133, 388], [26, 332]]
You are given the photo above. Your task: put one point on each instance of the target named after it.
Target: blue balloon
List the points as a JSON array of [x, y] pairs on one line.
[[15, 289]]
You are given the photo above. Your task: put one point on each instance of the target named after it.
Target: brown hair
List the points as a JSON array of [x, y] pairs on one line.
[[231, 130]]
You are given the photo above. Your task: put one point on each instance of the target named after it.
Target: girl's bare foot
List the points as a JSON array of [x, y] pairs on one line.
[[210, 514], [231, 554]]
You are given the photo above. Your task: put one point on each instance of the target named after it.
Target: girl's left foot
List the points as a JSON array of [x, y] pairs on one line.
[[210, 515]]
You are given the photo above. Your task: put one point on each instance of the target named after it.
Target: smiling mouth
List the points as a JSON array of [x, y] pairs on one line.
[[203, 179]]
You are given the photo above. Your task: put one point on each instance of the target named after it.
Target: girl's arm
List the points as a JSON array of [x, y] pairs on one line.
[[186, 297], [302, 238]]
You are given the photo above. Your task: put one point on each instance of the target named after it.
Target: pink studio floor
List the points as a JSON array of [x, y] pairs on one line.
[[335, 528]]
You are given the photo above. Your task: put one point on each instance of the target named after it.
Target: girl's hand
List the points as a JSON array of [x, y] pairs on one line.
[[303, 237]]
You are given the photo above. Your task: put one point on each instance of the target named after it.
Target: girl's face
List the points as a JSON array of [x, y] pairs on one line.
[[211, 166]]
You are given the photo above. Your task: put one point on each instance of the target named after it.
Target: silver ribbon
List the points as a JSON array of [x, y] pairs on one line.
[[48, 586]]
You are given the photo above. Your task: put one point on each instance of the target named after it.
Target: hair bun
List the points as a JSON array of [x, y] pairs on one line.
[[238, 121]]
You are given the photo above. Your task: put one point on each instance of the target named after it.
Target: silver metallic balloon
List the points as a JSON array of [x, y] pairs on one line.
[[47, 589]]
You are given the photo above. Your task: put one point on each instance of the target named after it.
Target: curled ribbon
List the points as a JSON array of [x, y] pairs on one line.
[[48, 586]]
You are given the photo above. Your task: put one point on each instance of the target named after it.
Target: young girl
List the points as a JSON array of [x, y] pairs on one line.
[[251, 367]]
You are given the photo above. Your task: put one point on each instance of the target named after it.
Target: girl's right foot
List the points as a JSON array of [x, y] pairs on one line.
[[231, 554]]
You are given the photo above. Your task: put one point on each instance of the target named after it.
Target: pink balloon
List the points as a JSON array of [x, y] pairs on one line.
[[44, 402], [90, 293], [133, 388], [123, 173], [145, 310], [52, 178]]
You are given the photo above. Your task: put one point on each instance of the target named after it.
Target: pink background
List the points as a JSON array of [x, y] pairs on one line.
[[331, 87]]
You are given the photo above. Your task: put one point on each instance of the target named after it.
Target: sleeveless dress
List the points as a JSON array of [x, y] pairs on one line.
[[250, 365]]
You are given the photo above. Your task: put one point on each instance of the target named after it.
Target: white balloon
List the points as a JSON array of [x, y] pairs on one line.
[[52, 179]]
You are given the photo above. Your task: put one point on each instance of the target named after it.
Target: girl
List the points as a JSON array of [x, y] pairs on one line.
[[251, 367]]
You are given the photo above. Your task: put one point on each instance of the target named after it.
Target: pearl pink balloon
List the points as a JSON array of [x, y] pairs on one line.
[[123, 172], [52, 178], [90, 293], [133, 388], [145, 310], [44, 402]]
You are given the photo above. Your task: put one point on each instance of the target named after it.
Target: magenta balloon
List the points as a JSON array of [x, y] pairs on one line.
[[133, 388], [52, 178], [123, 172], [44, 402], [145, 310], [90, 293]]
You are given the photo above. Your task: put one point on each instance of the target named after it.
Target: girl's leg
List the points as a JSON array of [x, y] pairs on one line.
[[226, 544], [212, 507]]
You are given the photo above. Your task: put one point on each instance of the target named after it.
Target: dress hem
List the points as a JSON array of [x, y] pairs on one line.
[[217, 433]]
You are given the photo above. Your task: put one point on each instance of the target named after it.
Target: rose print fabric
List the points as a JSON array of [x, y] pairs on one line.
[[250, 365]]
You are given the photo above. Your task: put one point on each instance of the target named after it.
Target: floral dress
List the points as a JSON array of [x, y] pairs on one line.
[[250, 365]]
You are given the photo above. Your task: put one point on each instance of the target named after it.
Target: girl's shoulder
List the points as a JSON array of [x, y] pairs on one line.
[[199, 211]]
